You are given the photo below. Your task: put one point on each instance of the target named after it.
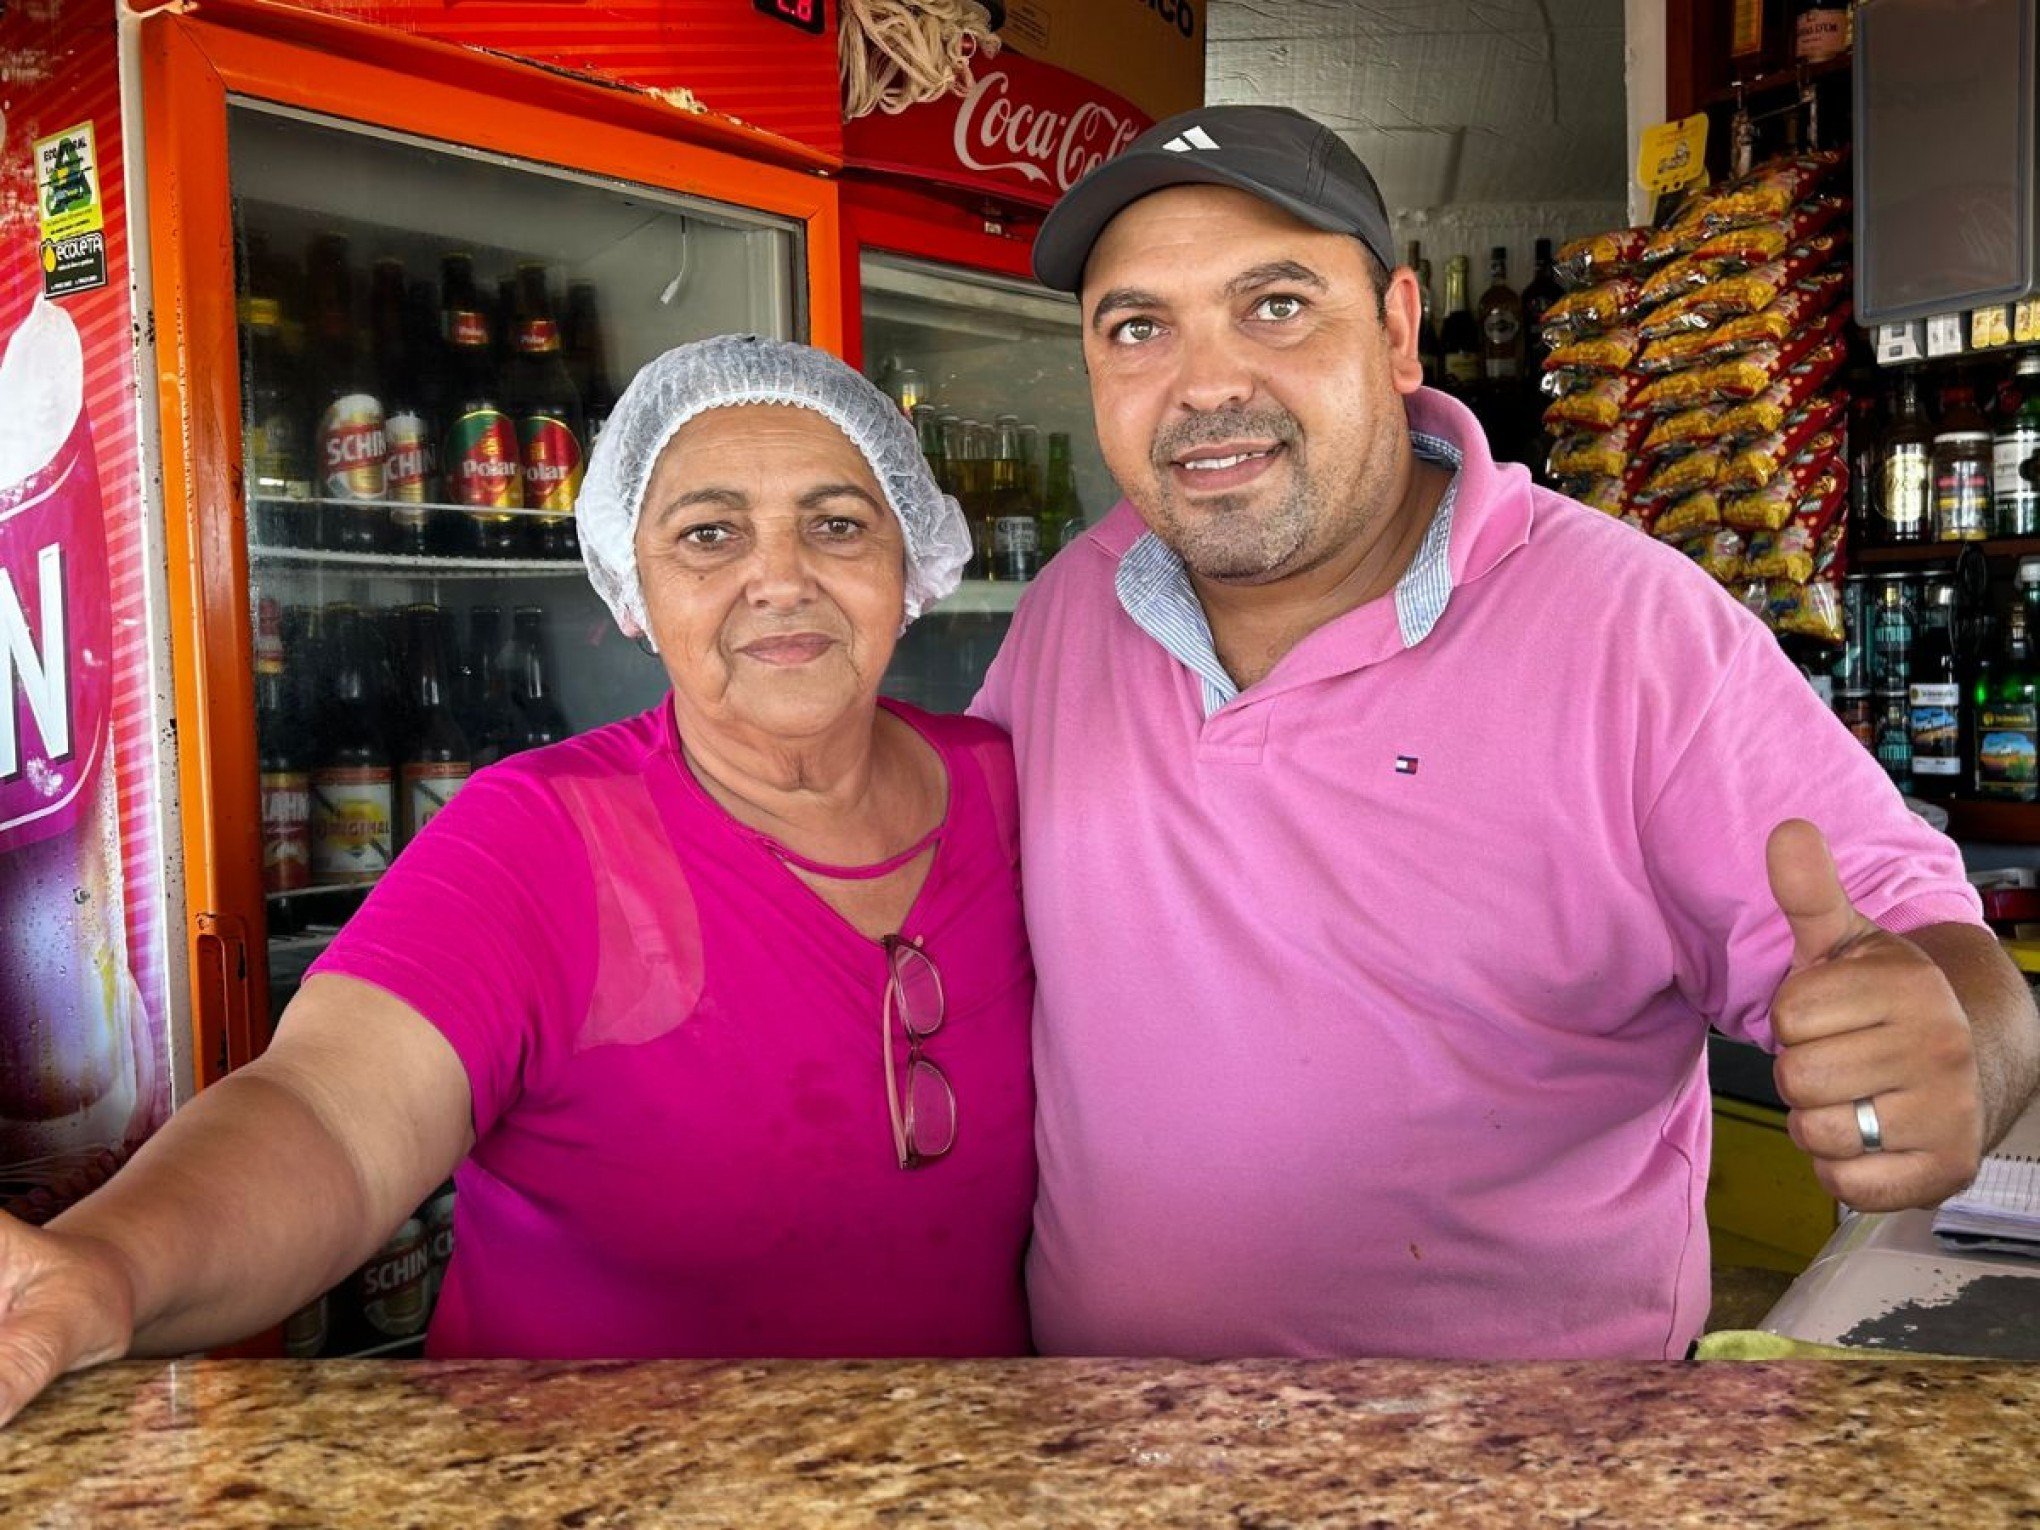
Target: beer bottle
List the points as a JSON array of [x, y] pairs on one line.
[[437, 759], [1032, 469], [352, 448], [2008, 708], [275, 433], [1934, 699], [406, 423], [285, 772], [928, 429], [485, 714], [352, 794], [1460, 336], [1015, 513], [588, 359], [1501, 322], [540, 721], [548, 412], [2015, 457], [1063, 514], [480, 460]]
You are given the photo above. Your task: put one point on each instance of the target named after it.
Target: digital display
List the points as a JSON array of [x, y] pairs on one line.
[[808, 15]]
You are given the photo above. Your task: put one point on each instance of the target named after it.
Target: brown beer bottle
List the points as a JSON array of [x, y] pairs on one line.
[[588, 359], [485, 711], [538, 711], [437, 759], [480, 461], [550, 431], [352, 790], [1014, 511], [283, 766], [275, 431]]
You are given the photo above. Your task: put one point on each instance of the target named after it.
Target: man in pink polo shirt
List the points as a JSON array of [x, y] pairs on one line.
[[1394, 830]]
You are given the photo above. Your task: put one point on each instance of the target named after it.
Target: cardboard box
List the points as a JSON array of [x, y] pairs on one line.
[[1149, 51]]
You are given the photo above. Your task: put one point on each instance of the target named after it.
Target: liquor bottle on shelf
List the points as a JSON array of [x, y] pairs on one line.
[[407, 422], [550, 430], [1015, 513], [1935, 700], [352, 789], [2007, 704], [437, 759], [1907, 468], [2015, 457], [540, 721], [1062, 512], [1757, 38], [352, 448], [1542, 291], [1430, 352], [588, 358], [1962, 468], [1501, 322], [480, 463], [1460, 335]]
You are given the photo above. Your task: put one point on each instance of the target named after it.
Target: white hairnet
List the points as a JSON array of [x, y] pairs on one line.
[[732, 370]]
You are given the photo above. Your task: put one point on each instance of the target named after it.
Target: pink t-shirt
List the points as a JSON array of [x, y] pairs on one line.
[[682, 1146], [1372, 1008]]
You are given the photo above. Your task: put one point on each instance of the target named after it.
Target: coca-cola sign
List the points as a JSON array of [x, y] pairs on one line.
[[1024, 130]]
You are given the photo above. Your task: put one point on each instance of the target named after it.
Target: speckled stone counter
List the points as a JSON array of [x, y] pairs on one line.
[[1050, 1443]]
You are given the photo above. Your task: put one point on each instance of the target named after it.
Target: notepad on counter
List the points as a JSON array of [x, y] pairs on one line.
[[2000, 1212]]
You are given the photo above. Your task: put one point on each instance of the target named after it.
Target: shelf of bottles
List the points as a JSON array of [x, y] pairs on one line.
[[1939, 676]]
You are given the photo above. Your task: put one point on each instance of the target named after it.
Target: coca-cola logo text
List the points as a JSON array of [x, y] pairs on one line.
[[1042, 146]]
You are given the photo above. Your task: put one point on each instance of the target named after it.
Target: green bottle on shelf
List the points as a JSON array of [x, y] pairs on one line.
[[2007, 698]]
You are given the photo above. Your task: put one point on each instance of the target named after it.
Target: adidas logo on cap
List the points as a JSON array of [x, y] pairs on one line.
[[1190, 138]]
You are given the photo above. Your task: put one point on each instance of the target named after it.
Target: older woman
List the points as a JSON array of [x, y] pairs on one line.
[[721, 1010]]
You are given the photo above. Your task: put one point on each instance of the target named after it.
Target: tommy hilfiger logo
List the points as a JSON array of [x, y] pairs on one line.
[[1190, 138], [1405, 764]]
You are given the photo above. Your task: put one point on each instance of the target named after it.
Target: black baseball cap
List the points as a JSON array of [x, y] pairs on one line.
[[1274, 152]]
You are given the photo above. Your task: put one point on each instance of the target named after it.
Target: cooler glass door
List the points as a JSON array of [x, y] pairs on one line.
[[992, 371], [430, 339]]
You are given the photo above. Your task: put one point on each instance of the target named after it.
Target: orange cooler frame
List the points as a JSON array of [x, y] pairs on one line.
[[190, 67]]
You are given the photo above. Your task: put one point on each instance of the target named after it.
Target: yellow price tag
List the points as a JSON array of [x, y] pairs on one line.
[[1673, 155]]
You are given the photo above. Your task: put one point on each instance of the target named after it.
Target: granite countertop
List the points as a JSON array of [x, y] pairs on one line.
[[1046, 1442]]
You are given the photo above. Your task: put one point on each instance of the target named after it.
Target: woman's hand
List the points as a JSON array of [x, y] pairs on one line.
[[65, 1303]]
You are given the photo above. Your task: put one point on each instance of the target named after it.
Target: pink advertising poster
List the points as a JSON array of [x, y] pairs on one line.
[[84, 1070]]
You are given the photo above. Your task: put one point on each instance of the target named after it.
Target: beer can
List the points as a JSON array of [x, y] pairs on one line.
[[354, 448], [1853, 672], [1894, 740], [304, 1331], [394, 1284], [1892, 622], [1858, 712], [439, 1239]]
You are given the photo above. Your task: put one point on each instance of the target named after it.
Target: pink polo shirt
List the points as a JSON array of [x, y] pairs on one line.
[[1372, 1008], [682, 1145]]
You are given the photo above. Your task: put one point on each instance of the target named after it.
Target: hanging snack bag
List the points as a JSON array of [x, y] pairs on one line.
[[1812, 431], [1696, 512], [1596, 408], [1591, 308]]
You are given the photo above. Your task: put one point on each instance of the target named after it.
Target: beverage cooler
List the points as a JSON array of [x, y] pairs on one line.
[[942, 311], [398, 286]]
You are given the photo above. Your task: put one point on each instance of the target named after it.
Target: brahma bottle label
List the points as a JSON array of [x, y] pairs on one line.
[[466, 327], [351, 830], [482, 462], [353, 448], [552, 464], [538, 335], [286, 830]]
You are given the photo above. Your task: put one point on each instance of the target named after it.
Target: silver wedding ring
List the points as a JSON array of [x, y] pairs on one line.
[[1868, 1127]]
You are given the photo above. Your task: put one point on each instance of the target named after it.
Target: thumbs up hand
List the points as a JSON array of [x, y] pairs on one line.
[[1874, 1057]]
